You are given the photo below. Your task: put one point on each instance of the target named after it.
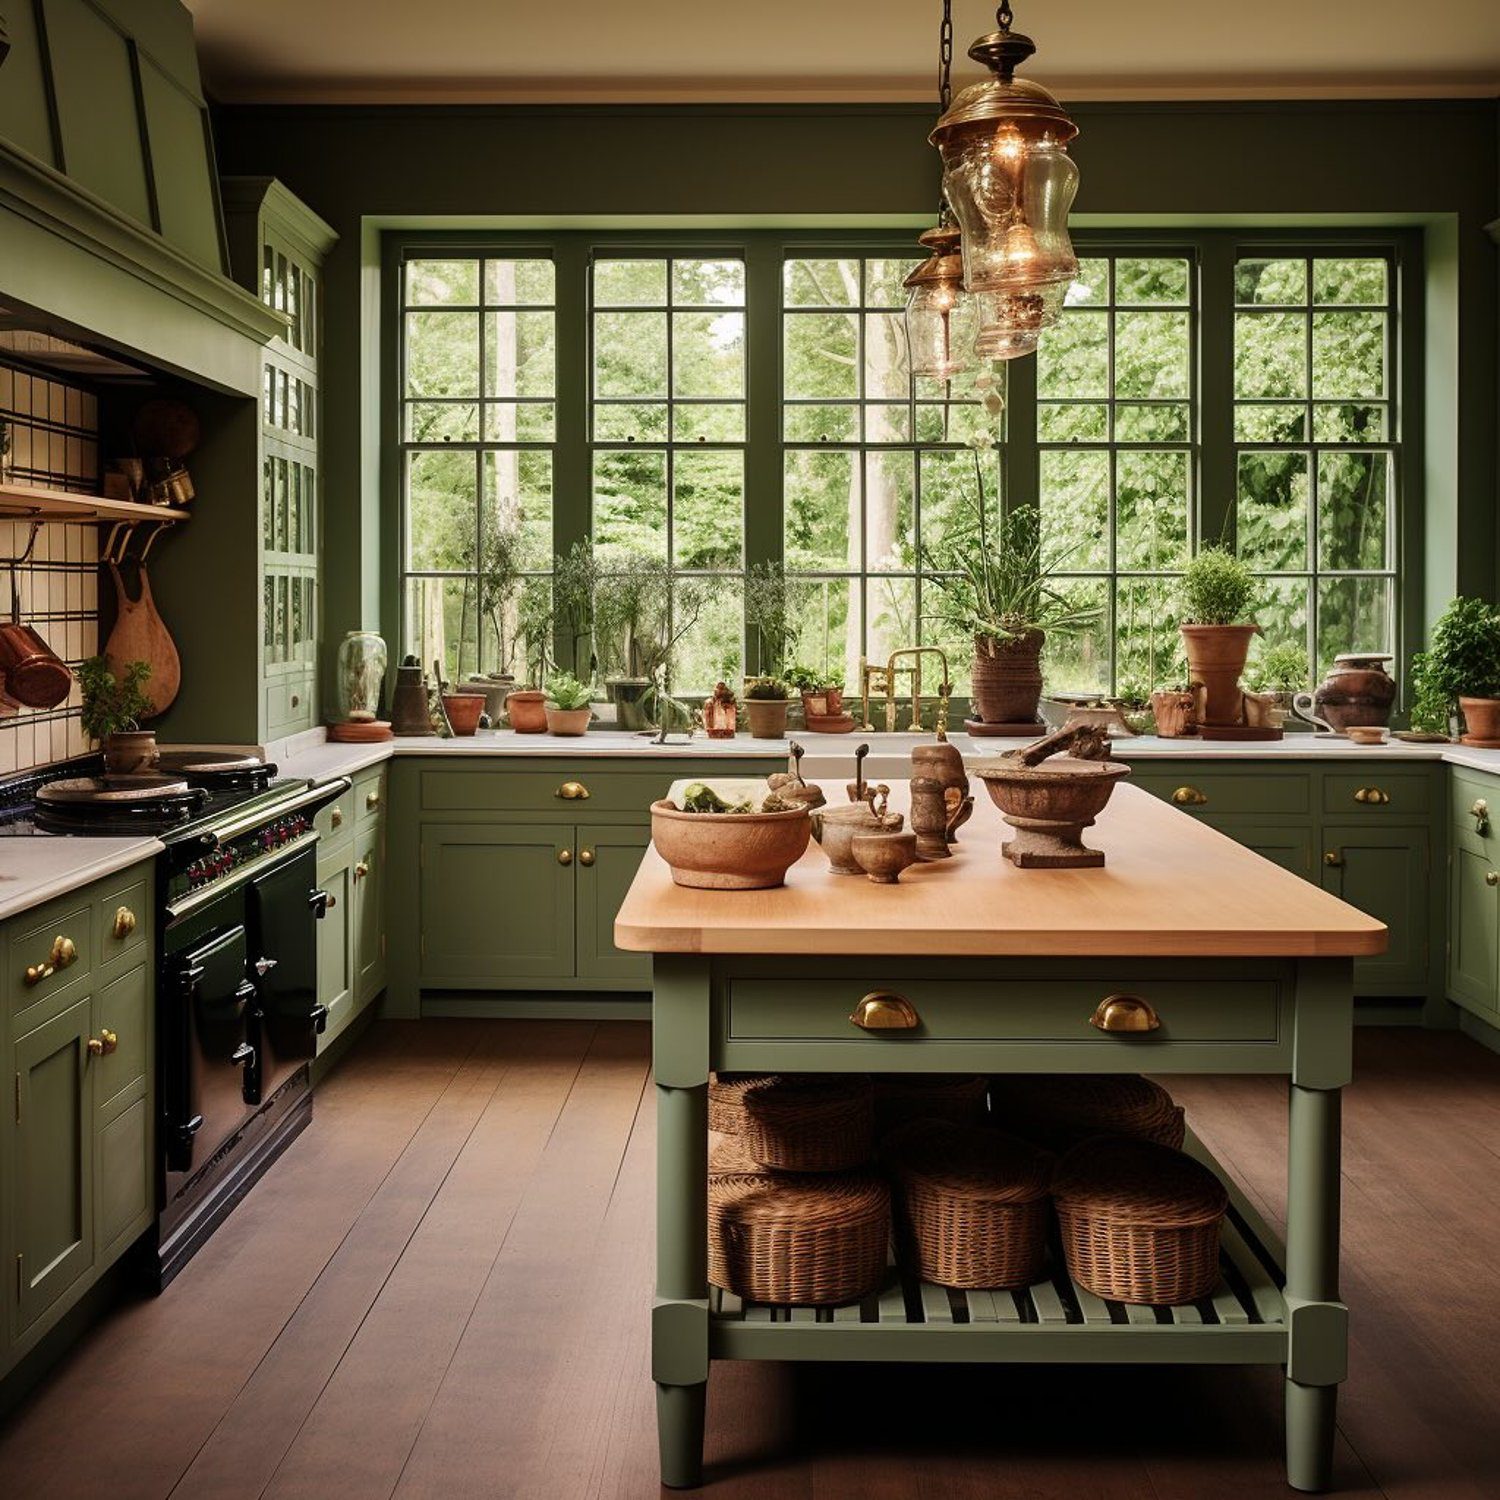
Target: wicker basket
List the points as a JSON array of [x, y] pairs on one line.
[[1060, 1110], [726, 1100], [902, 1097], [974, 1203], [799, 1241], [728, 1154], [1140, 1222], [810, 1123]]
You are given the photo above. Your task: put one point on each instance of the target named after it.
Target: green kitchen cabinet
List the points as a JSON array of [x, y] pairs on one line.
[[1474, 923], [367, 881], [336, 944], [351, 868], [608, 858], [1385, 871], [1287, 846], [497, 902]]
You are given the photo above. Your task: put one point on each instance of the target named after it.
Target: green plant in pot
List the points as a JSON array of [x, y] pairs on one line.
[[1216, 592], [631, 610], [1461, 668], [568, 705], [113, 707], [767, 700], [821, 690]]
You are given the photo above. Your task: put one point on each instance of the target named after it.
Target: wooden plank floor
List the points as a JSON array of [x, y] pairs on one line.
[[440, 1290]]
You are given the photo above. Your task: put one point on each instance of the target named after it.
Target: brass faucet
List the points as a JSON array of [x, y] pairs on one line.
[[883, 680]]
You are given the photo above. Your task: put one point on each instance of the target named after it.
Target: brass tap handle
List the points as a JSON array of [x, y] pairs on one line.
[[1334, 859], [884, 1010], [585, 856], [372, 800], [1372, 795], [1117, 1013], [1480, 812], [572, 791], [336, 818], [1189, 796], [565, 856], [124, 923], [1491, 878], [62, 953]]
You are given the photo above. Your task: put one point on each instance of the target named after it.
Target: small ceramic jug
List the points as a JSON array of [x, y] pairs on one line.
[[1302, 706], [1357, 690]]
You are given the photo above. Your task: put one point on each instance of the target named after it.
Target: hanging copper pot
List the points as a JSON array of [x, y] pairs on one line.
[[33, 674]]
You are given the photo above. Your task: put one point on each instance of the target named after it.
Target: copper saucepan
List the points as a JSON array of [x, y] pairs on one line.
[[32, 673]]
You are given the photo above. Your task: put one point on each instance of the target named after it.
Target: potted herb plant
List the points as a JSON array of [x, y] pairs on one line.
[[568, 709], [112, 710], [822, 690], [1216, 591], [767, 700], [1461, 667]]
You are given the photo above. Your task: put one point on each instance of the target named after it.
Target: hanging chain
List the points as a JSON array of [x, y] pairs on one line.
[[1004, 15], [945, 58]]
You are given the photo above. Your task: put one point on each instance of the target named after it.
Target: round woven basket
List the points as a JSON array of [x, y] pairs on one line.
[[1058, 1110], [901, 1097], [810, 1123], [1140, 1222], [974, 1203], [726, 1099], [798, 1240], [728, 1154]]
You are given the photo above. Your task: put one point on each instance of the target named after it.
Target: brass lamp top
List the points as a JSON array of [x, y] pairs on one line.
[[1033, 109], [945, 263]]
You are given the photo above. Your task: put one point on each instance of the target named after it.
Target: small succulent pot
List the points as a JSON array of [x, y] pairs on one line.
[[767, 717], [527, 709], [130, 752], [567, 720], [1481, 722], [464, 710]]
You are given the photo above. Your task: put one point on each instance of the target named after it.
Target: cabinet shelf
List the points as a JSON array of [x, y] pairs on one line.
[[25, 502]]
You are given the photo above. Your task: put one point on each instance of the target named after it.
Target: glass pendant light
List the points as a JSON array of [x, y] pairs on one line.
[[1010, 181]]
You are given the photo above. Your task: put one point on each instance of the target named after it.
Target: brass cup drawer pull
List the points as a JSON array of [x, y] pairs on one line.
[[1480, 812], [1117, 1013], [572, 791], [1189, 796], [1372, 796], [124, 924], [883, 1010], [103, 1044], [585, 856], [62, 953], [565, 856]]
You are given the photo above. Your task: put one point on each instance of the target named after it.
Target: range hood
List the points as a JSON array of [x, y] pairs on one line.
[[48, 345]]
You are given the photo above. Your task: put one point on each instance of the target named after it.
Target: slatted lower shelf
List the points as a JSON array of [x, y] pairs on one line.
[[1242, 1322]]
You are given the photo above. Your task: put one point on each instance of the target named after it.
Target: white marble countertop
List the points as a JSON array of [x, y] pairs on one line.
[[37, 868]]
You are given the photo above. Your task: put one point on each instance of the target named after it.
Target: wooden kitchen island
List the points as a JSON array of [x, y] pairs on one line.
[[1247, 967]]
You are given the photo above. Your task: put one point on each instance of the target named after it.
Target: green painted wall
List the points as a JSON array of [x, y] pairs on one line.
[[1430, 164]]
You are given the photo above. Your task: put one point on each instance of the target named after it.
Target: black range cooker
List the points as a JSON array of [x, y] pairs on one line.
[[236, 940]]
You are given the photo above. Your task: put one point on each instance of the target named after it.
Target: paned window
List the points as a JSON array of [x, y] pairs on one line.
[[1314, 431]]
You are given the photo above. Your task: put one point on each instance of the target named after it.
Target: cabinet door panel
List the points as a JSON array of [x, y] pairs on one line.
[[1291, 848], [54, 1191], [335, 947], [369, 915], [123, 1006], [496, 903], [1473, 926], [1384, 871], [602, 884], [124, 1168]]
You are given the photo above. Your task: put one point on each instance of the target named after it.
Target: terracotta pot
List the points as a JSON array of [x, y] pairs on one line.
[[883, 856], [822, 703], [1358, 690], [1174, 714], [1481, 722], [729, 851], [767, 717], [463, 710], [1216, 658], [835, 829], [129, 752], [1008, 678], [568, 720], [528, 711]]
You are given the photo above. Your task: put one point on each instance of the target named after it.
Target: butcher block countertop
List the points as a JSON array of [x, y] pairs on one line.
[[1171, 887]]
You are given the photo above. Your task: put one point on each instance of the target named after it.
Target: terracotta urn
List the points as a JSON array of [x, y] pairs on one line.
[[1481, 722], [463, 709], [883, 856], [1049, 806], [835, 829], [1357, 690], [527, 708], [1008, 677], [1216, 658], [130, 752]]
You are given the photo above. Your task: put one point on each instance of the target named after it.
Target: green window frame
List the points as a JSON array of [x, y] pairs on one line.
[[780, 426]]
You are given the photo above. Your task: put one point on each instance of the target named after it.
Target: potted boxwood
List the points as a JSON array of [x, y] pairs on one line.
[[112, 709], [1461, 666], [767, 700], [567, 707], [1216, 591]]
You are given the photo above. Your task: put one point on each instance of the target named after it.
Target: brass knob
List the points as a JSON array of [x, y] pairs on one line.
[[565, 856], [883, 1010], [372, 800], [96, 1047], [585, 856], [1480, 812], [1372, 795], [1491, 878], [124, 923], [104, 1043], [336, 818], [361, 869], [1125, 1013], [62, 953], [572, 791], [1188, 796], [332, 901], [1333, 859]]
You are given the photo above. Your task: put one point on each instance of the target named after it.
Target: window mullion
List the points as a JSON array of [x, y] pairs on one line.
[[764, 499], [1216, 480], [572, 464]]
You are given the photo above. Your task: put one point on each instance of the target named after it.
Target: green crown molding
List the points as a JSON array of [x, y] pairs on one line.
[[52, 202], [313, 236]]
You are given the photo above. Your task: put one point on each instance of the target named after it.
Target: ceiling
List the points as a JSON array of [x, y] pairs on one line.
[[849, 51]]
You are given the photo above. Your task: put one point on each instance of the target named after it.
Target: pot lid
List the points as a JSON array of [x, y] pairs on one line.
[[108, 790], [206, 762], [1354, 656]]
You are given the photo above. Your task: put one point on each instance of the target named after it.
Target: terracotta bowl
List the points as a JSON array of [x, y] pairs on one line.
[[883, 856], [463, 710], [729, 851], [568, 720], [1049, 806]]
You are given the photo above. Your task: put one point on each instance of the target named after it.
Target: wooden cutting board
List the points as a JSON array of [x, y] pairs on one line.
[[140, 635]]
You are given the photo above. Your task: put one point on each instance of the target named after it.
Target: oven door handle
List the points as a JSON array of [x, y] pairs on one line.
[[318, 901]]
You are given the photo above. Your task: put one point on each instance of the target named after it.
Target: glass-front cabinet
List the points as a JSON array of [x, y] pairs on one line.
[[278, 246]]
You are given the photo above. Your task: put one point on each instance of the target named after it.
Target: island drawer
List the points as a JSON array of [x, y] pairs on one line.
[[1196, 790], [1378, 790], [573, 790], [761, 1015]]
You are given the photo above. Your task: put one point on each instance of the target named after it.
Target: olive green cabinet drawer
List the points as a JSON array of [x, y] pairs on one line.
[[1474, 803], [1197, 790], [335, 821], [1377, 791], [568, 789], [1012, 1011], [47, 948], [368, 794], [122, 920]]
